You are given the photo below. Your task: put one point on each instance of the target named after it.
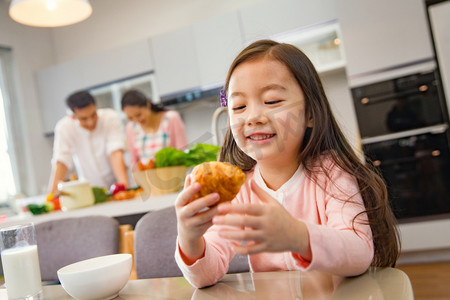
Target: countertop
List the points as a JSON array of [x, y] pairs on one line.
[[111, 208]]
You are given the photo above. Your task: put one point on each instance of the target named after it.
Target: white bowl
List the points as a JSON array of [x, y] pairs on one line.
[[96, 278]]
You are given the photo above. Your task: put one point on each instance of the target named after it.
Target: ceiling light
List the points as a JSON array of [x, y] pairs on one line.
[[49, 13]]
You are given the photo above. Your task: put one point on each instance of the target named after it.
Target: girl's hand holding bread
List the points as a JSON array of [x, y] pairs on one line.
[[208, 184]]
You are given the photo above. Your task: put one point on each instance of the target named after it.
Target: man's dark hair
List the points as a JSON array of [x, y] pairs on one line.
[[79, 100]]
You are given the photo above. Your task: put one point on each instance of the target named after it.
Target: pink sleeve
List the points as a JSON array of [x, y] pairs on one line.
[[177, 132], [130, 143], [213, 266], [335, 246]]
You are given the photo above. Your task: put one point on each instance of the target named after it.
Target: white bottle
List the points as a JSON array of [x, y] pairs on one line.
[[21, 271]]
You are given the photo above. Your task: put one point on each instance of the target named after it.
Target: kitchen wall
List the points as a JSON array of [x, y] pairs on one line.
[[32, 49]]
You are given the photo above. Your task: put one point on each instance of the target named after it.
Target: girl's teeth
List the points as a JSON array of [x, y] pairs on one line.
[[261, 137]]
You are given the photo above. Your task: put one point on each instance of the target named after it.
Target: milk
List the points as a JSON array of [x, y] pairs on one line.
[[21, 271]]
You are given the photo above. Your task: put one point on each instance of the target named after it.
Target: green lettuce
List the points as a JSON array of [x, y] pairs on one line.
[[200, 153], [169, 156], [195, 155]]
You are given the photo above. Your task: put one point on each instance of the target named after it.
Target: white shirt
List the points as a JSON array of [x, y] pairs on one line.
[[88, 150]]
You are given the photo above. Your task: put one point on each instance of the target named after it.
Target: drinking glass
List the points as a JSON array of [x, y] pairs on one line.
[[20, 262]]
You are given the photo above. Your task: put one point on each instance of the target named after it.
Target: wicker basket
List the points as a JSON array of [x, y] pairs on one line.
[[161, 181]]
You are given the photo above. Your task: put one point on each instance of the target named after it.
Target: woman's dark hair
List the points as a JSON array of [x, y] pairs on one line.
[[137, 98], [325, 138], [80, 99]]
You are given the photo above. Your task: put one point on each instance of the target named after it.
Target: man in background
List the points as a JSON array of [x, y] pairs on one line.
[[92, 140]]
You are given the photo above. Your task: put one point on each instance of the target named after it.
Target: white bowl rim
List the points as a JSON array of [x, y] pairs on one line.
[[94, 263]]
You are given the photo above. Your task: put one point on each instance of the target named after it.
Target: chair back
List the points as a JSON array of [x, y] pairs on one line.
[[155, 243], [219, 125], [65, 241]]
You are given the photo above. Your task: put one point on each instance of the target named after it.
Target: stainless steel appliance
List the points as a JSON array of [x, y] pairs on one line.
[[404, 127]]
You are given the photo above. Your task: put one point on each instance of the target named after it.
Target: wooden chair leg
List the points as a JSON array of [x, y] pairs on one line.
[[126, 244], [122, 244]]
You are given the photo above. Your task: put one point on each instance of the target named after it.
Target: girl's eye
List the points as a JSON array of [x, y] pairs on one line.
[[238, 107], [273, 102]]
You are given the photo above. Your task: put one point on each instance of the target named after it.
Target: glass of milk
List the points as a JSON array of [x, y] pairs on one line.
[[20, 262]]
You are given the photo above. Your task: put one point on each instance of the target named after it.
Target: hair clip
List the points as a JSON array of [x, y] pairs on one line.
[[223, 99]]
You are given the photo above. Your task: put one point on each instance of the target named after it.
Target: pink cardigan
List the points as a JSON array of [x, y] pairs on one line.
[[335, 247]]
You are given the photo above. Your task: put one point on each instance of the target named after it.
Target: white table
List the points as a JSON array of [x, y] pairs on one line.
[[110, 208]]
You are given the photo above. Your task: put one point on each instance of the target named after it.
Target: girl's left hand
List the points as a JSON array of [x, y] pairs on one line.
[[266, 227]]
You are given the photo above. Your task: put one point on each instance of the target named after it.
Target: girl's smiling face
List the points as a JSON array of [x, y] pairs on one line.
[[267, 108]]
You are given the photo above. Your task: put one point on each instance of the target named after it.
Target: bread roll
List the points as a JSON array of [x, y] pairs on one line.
[[218, 177]]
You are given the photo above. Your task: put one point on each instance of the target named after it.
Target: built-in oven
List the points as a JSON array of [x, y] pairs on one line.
[[404, 130], [399, 104], [416, 167]]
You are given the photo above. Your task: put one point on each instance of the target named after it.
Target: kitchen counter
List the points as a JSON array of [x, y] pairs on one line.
[[110, 208]]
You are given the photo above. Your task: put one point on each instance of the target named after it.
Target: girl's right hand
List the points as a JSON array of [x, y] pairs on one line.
[[194, 218]]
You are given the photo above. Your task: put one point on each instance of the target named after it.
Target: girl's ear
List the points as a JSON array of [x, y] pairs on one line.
[[307, 136], [309, 123]]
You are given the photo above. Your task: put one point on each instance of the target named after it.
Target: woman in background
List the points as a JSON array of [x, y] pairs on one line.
[[151, 127]]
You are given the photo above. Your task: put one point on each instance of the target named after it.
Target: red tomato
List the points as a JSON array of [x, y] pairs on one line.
[[117, 187], [56, 204]]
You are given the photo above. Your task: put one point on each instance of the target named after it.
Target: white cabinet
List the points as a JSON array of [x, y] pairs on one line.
[[322, 44], [217, 41], [197, 56], [57, 82], [266, 18], [118, 63], [110, 95], [54, 85], [175, 61], [383, 34]]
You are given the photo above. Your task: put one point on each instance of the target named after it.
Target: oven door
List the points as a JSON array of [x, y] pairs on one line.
[[399, 104], [416, 168]]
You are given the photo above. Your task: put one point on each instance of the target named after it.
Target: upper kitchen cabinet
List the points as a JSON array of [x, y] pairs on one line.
[[57, 82], [122, 62], [175, 60], [196, 56], [382, 35], [54, 85], [321, 43], [217, 41], [267, 18]]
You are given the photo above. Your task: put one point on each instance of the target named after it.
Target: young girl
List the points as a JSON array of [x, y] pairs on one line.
[[151, 127], [308, 202]]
